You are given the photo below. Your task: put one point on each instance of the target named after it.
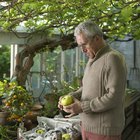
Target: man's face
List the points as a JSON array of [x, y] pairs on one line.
[[87, 46]]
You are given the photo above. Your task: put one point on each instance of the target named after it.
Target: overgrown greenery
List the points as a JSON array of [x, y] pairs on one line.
[[8, 132], [50, 108], [53, 85], [116, 17], [4, 61]]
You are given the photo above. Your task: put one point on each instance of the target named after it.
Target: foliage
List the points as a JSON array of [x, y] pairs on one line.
[[6, 132], [17, 100], [52, 80], [67, 87], [53, 85], [50, 108], [116, 17], [4, 61]]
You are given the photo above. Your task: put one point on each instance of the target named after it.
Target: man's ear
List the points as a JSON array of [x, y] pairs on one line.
[[97, 37]]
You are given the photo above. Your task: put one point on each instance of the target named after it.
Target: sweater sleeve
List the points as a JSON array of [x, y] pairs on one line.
[[77, 94], [114, 85]]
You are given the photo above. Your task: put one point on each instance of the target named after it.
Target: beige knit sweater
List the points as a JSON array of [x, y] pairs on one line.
[[102, 94]]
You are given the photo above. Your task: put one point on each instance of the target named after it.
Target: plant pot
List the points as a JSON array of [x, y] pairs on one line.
[[3, 117]]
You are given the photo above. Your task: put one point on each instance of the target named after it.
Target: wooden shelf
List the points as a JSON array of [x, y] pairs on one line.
[[131, 101]]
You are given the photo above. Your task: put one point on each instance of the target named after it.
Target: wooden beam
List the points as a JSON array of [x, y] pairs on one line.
[[8, 38]]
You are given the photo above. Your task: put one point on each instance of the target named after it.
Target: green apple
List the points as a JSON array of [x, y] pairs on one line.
[[67, 100], [66, 136]]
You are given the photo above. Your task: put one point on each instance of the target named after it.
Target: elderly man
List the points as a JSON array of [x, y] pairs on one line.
[[100, 100]]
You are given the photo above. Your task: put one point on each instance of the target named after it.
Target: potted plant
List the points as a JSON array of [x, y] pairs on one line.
[[16, 100]]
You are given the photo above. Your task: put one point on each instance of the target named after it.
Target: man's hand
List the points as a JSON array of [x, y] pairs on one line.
[[60, 106], [73, 109]]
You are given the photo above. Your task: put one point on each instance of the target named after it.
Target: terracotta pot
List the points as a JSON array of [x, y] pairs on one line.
[[32, 115], [3, 117], [36, 107]]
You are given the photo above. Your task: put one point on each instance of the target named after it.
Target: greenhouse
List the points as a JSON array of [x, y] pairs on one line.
[[48, 56]]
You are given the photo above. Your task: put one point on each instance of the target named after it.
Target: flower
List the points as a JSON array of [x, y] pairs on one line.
[[17, 100]]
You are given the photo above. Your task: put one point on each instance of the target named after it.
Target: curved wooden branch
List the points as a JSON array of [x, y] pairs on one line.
[[24, 59]]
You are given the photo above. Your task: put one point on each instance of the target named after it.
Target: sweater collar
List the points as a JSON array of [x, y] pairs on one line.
[[100, 53]]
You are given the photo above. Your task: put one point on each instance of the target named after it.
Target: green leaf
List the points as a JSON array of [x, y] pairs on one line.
[[126, 13]]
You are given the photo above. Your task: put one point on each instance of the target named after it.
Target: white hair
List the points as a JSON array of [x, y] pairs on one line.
[[88, 28]]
